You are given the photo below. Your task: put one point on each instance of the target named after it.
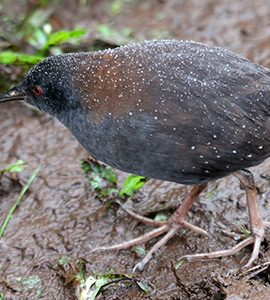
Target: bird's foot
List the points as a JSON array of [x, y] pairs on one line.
[[169, 227], [169, 223], [256, 239]]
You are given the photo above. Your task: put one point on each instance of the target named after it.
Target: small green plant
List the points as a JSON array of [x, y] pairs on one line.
[[132, 184], [15, 167], [245, 231], [29, 282], [35, 32], [64, 259], [139, 250], [16, 58], [71, 269], [33, 283], [146, 287], [179, 264], [101, 177], [53, 39], [90, 287], [161, 217], [104, 180], [43, 43], [87, 287]]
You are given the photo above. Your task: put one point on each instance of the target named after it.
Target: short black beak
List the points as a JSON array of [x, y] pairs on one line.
[[13, 94]]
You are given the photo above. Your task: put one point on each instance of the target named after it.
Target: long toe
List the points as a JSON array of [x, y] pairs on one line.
[[219, 253], [158, 245], [140, 240], [256, 239]]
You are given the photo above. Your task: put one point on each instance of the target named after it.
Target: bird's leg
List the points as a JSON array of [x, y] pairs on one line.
[[179, 214], [171, 226], [175, 222], [256, 224]]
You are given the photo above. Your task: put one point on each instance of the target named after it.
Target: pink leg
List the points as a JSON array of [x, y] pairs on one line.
[[256, 224]]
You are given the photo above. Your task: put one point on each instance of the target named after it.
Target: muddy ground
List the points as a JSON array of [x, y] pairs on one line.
[[61, 213]]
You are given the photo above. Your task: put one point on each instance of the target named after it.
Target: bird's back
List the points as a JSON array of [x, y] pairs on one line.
[[173, 110]]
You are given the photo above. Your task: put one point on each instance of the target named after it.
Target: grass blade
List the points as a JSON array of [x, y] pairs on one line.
[[23, 191]]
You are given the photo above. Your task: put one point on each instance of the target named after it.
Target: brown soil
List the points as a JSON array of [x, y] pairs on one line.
[[61, 214]]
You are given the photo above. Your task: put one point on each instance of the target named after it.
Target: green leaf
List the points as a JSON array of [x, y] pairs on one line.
[[105, 29], [179, 264], [14, 58], [101, 177], [99, 283], [90, 287], [79, 276], [143, 286], [116, 7], [62, 36], [43, 2], [38, 38], [16, 167], [89, 294], [161, 217], [132, 184], [86, 286], [110, 175], [64, 259], [139, 250], [211, 192], [245, 231], [29, 282]]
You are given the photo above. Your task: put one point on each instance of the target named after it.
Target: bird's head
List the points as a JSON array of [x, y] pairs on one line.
[[47, 86]]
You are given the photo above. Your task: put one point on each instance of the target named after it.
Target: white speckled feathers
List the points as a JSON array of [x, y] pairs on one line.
[[172, 110]]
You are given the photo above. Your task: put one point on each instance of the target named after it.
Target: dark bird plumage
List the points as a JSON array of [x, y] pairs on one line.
[[171, 110]]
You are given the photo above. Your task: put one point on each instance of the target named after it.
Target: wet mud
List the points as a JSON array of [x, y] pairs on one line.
[[62, 215]]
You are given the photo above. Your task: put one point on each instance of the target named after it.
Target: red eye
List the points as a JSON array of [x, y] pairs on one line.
[[37, 90]]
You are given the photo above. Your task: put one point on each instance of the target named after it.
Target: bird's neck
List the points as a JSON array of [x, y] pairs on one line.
[[79, 123]]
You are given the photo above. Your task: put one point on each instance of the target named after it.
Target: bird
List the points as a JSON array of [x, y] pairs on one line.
[[179, 111]]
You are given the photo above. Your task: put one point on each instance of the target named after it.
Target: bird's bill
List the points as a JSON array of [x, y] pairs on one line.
[[13, 94]]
